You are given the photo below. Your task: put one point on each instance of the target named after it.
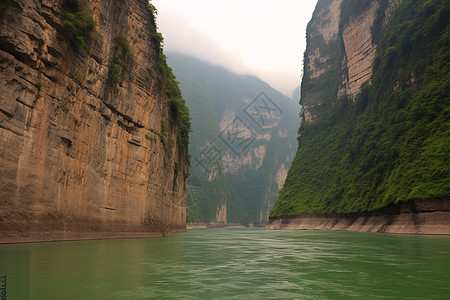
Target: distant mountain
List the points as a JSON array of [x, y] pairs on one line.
[[296, 94], [242, 144]]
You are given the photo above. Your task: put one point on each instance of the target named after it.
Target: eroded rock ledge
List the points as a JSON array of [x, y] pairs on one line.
[[84, 153], [413, 217]]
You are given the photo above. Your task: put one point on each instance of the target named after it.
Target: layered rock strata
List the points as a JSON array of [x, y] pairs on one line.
[[83, 150], [414, 217], [349, 44]]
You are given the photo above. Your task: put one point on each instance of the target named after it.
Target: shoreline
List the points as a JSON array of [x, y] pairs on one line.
[[196, 225], [429, 217], [20, 226], [81, 236]]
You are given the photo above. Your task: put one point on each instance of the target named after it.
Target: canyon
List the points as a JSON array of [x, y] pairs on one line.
[[242, 143]]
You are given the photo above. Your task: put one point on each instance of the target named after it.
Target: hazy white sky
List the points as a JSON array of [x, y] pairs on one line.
[[265, 38]]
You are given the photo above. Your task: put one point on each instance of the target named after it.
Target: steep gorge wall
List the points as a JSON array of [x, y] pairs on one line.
[[376, 133], [344, 48], [81, 152], [359, 50]]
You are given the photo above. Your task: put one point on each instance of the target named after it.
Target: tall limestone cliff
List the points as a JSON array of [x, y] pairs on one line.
[[340, 45], [92, 140], [375, 139]]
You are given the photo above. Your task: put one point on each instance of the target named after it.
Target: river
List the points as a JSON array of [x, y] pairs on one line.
[[233, 263]]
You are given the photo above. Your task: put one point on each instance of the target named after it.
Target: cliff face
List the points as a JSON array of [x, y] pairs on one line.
[[343, 46], [359, 50], [88, 142], [375, 106]]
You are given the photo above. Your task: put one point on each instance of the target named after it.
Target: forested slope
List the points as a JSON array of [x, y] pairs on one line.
[[390, 142]]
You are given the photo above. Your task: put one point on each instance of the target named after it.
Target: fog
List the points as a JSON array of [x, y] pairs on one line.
[[265, 38]]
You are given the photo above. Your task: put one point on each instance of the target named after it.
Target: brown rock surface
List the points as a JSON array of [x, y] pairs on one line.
[[80, 153], [322, 32], [324, 38], [359, 50], [414, 217], [325, 26]]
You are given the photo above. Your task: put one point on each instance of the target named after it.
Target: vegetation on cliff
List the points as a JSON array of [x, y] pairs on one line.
[[78, 24], [178, 107], [122, 59], [391, 143]]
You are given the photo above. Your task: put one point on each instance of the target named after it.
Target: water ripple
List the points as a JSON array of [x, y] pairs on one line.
[[241, 263]]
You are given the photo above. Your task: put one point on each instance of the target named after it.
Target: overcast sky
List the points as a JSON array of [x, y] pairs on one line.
[[265, 38]]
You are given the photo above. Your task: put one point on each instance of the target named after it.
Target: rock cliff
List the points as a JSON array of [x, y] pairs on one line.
[[89, 138], [344, 47], [373, 150]]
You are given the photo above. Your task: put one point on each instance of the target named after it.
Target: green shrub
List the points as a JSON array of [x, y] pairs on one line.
[[78, 24], [122, 59], [151, 8], [125, 45], [158, 39], [114, 72], [178, 107], [150, 138]]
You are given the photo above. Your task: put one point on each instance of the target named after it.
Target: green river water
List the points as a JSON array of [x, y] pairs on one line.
[[234, 263]]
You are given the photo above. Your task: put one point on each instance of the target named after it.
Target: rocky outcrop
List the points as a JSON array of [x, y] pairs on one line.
[[359, 50], [344, 48], [323, 28], [221, 215], [414, 217], [322, 37], [84, 149]]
